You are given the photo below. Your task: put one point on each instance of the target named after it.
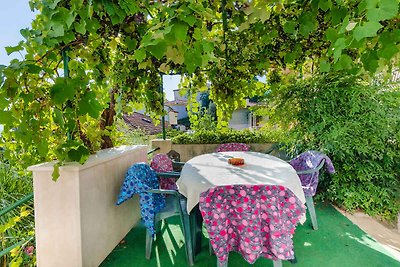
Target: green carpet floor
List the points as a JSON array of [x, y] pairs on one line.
[[337, 243]]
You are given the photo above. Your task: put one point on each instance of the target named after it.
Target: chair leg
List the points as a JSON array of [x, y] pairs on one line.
[[149, 243], [311, 210], [278, 263], [220, 264], [188, 239]]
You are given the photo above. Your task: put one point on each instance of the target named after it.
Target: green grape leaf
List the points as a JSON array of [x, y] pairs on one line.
[[290, 57], [180, 30], [396, 35], [34, 69], [338, 14], [56, 171], [110, 8], [208, 46], [70, 18], [325, 4], [57, 29], [58, 117], [189, 19], [5, 117], [11, 86], [387, 9], [307, 23], [290, 27], [12, 49], [79, 154], [370, 60], [130, 43], [157, 50], [339, 45], [25, 33], [62, 91], [324, 66], [344, 63], [52, 4], [43, 147], [174, 55], [81, 27], [89, 105], [197, 34], [368, 29], [331, 35], [139, 55], [388, 50], [192, 60]]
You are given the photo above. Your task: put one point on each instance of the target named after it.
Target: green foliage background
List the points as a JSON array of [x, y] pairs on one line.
[[357, 125], [206, 136]]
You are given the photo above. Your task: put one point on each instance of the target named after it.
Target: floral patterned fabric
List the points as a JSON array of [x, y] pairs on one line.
[[233, 147], [254, 220], [162, 163], [310, 160], [138, 179]]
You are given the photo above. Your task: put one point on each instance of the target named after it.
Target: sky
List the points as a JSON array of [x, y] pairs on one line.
[[16, 15]]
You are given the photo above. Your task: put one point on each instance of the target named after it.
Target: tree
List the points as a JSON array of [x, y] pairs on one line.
[[116, 48]]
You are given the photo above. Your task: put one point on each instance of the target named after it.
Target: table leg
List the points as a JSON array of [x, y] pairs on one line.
[[197, 223]]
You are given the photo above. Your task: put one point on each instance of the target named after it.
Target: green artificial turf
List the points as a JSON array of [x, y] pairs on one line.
[[337, 243]]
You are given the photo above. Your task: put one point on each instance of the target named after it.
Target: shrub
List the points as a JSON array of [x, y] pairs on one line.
[[358, 126], [230, 136]]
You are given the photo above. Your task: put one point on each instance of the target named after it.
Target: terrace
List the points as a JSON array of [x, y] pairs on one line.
[[325, 78]]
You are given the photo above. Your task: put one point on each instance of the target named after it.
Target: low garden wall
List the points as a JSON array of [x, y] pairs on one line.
[[188, 151], [77, 222]]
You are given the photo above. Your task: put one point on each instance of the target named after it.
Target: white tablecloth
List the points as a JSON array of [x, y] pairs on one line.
[[209, 170]]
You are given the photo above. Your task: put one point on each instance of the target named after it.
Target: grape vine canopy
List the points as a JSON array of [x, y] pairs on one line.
[[116, 50]]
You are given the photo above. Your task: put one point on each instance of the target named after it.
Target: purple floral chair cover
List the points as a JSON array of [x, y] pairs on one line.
[[254, 220], [233, 147], [162, 163], [138, 179], [307, 161]]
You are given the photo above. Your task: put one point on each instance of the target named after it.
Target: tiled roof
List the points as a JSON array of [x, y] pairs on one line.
[[176, 103], [171, 109], [143, 122]]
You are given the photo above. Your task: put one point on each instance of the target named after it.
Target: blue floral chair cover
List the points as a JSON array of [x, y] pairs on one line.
[[138, 180]]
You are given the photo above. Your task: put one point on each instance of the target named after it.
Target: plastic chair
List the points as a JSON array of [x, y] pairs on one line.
[[254, 220], [232, 147], [143, 180], [176, 160], [307, 165], [277, 150], [162, 163]]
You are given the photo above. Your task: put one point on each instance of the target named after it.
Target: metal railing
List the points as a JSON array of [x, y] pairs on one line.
[[153, 150], [7, 210]]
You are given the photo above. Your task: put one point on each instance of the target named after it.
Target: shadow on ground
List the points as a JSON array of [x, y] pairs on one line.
[[337, 243]]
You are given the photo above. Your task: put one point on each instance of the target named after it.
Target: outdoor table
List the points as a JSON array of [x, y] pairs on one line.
[[209, 170]]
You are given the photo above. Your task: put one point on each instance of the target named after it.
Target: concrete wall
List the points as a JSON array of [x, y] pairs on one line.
[[76, 220]]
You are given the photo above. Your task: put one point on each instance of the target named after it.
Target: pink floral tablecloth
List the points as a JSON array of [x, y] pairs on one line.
[[254, 220]]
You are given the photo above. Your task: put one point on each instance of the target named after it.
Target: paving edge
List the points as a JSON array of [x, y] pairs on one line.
[[388, 238]]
